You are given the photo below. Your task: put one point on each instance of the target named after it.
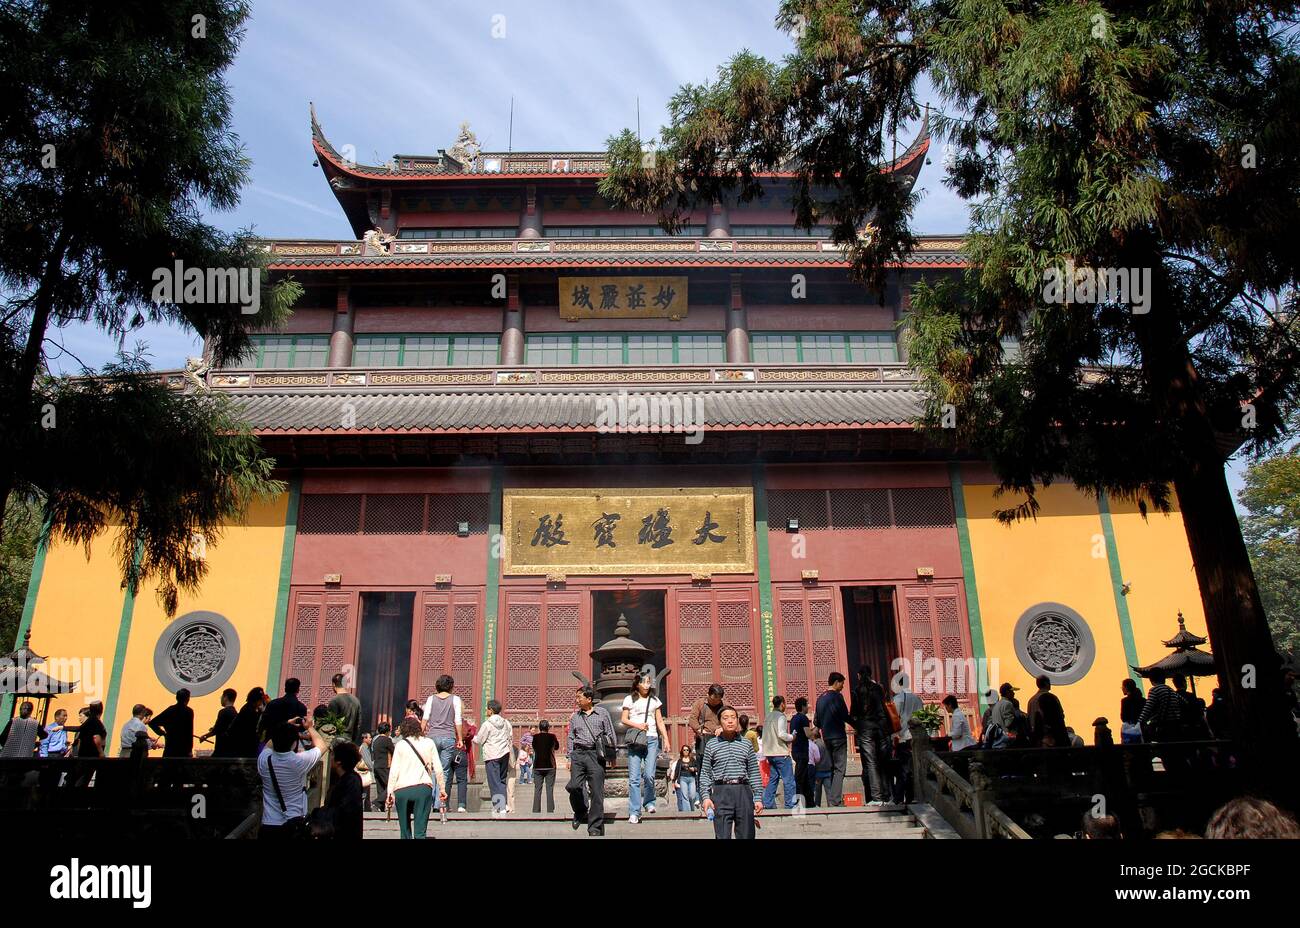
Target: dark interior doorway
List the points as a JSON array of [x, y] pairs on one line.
[[645, 617], [870, 630], [384, 657]]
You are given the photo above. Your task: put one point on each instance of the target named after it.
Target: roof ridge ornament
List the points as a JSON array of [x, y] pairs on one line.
[[466, 151]]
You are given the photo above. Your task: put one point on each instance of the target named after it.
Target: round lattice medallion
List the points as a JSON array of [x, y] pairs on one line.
[[197, 652], [1053, 639]]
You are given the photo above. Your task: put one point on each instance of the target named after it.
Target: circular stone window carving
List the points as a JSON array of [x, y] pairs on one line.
[[197, 652], [1053, 639]]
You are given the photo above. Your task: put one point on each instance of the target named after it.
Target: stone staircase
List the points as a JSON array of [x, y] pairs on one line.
[[898, 822]]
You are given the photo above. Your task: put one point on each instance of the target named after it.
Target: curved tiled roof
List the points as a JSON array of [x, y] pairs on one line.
[[534, 165], [577, 410]]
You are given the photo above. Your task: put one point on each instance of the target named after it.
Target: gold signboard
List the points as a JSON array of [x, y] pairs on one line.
[[623, 297], [691, 530]]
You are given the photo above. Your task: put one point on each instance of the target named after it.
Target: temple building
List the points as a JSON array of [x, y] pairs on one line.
[[508, 414]]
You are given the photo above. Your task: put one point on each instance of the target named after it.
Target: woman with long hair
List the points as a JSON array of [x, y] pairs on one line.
[[643, 711], [681, 779]]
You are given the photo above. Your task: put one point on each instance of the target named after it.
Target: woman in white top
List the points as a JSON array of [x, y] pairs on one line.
[[414, 769], [496, 739], [642, 712], [959, 728]]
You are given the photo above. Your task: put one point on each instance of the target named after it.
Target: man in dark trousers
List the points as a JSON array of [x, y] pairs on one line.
[[591, 746], [873, 730], [1046, 717], [347, 707], [280, 710], [176, 725], [381, 750], [730, 783], [831, 716]]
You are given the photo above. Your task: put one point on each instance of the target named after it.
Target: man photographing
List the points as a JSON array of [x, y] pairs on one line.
[[729, 780]]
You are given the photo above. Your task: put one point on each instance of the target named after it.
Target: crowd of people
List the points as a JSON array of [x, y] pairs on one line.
[[728, 771]]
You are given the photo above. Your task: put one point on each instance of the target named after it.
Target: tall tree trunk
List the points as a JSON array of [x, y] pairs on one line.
[[20, 406], [1248, 665]]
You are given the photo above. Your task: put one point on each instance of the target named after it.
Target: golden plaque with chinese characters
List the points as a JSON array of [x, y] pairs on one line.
[[623, 297], [691, 530]]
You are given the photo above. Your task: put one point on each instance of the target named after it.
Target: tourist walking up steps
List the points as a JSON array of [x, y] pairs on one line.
[[347, 707], [444, 722], [830, 718], [416, 768], [873, 731], [591, 745], [381, 752], [730, 781], [803, 773], [776, 748], [545, 746], [907, 704], [496, 739], [642, 715]]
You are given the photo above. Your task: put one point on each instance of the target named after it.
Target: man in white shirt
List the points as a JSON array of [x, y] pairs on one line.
[[284, 777], [907, 703], [959, 733]]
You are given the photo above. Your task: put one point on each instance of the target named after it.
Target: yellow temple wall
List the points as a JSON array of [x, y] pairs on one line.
[[1063, 557]]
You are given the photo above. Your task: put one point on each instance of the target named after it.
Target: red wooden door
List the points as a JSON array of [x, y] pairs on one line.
[[546, 635], [321, 641], [713, 638], [809, 643], [447, 638]]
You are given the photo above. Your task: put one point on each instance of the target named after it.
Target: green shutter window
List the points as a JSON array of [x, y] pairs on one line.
[[649, 349], [701, 349], [425, 350], [821, 348], [769, 348], [474, 350], [873, 347], [600, 349], [377, 351]]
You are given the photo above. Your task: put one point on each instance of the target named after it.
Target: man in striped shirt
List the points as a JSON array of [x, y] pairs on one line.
[[729, 780]]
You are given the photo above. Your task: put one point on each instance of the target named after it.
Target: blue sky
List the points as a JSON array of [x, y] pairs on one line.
[[400, 75]]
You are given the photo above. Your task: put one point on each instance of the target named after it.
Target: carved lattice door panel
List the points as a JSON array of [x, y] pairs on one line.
[[448, 638], [713, 638], [934, 625], [545, 635], [320, 641], [810, 645]]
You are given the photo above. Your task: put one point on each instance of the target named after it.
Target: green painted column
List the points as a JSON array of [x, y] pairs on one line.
[[276, 659], [1117, 588], [29, 608], [764, 586], [968, 572], [119, 658], [494, 542]]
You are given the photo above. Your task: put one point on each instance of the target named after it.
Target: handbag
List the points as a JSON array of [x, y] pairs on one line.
[[634, 739], [599, 746], [296, 827]]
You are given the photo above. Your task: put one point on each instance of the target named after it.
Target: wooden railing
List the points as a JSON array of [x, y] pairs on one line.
[[127, 798], [1009, 793]]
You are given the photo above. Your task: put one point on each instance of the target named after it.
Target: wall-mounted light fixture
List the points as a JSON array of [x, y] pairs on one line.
[[792, 525], [462, 529]]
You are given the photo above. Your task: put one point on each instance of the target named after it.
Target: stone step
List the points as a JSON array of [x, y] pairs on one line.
[[837, 823]]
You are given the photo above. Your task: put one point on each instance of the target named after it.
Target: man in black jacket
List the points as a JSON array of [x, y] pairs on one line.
[[176, 725], [873, 727], [830, 717]]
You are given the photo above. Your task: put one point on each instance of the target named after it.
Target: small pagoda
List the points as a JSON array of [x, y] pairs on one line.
[[1188, 659], [20, 680]]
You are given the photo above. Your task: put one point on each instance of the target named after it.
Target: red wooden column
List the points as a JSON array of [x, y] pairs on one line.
[[737, 325], [341, 336]]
